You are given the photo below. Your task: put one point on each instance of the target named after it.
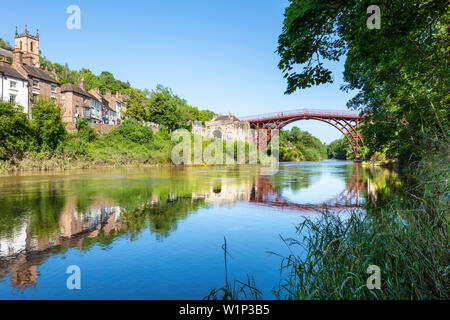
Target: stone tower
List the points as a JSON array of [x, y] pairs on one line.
[[29, 45]]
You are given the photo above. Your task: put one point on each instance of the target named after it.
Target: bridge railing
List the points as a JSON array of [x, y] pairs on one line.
[[300, 112]]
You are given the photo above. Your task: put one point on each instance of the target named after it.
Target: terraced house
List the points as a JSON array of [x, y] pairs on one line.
[[116, 102], [76, 102], [23, 80], [14, 86]]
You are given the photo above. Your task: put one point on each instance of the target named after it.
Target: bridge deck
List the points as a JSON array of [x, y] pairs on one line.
[[304, 112]]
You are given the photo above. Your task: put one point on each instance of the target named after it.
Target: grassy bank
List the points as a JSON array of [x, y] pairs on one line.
[[130, 144], [403, 232]]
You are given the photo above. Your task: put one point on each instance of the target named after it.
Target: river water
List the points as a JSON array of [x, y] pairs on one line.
[[158, 233]]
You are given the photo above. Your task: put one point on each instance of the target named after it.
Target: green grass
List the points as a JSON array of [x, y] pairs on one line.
[[403, 232]]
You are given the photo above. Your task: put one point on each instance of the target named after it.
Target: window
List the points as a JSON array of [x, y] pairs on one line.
[[35, 96], [53, 87], [63, 96], [31, 45], [36, 83], [13, 84], [12, 98]]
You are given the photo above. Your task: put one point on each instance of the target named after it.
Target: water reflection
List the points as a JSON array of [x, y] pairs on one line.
[[45, 215]]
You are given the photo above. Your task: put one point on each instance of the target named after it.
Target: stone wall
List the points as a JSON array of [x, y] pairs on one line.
[[226, 130], [101, 129]]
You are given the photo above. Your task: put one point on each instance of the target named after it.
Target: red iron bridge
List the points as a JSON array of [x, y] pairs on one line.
[[347, 122]]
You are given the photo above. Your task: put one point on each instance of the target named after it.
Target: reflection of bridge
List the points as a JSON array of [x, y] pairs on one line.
[[346, 122], [263, 193]]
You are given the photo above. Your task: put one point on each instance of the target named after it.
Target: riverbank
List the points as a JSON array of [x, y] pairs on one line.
[[402, 231]]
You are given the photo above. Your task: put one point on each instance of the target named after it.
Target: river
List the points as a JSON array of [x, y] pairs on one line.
[[158, 233]]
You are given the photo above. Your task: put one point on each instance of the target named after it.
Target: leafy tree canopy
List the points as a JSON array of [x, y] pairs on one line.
[[5, 45], [400, 71], [50, 133]]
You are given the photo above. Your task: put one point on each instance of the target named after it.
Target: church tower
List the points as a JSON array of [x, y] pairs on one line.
[[29, 46]]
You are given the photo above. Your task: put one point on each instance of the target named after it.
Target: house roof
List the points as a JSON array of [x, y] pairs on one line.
[[5, 53], [111, 106], [40, 74], [68, 87], [95, 94], [227, 117], [11, 72]]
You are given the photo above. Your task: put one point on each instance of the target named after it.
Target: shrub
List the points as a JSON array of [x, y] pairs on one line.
[[85, 132], [15, 131], [49, 131], [133, 131]]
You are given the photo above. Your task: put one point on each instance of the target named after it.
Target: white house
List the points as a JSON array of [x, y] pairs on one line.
[[96, 110], [13, 86]]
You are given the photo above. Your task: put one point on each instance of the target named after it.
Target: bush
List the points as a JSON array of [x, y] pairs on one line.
[[15, 131], [132, 131], [85, 132], [49, 131]]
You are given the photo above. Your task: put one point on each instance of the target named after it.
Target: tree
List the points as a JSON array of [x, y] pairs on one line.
[[400, 70], [91, 81], [340, 149], [5, 45], [137, 105], [15, 131], [185, 113], [163, 110], [49, 131], [297, 145]]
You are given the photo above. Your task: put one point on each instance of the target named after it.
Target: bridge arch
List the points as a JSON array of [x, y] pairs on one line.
[[346, 122]]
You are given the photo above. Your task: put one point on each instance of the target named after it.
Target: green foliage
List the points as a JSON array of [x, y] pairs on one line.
[[132, 131], [163, 110], [5, 45], [297, 145], [400, 70], [340, 149], [15, 131], [50, 133], [105, 81], [85, 131], [137, 105], [163, 107], [407, 237]]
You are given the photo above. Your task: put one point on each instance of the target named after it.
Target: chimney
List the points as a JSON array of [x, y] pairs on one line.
[[118, 95], [17, 57], [55, 76], [81, 83], [28, 60], [4, 62]]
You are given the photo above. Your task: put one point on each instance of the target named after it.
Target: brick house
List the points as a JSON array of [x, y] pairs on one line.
[[76, 102]]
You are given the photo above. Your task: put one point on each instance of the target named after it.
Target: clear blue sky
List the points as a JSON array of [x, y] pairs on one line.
[[216, 54]]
